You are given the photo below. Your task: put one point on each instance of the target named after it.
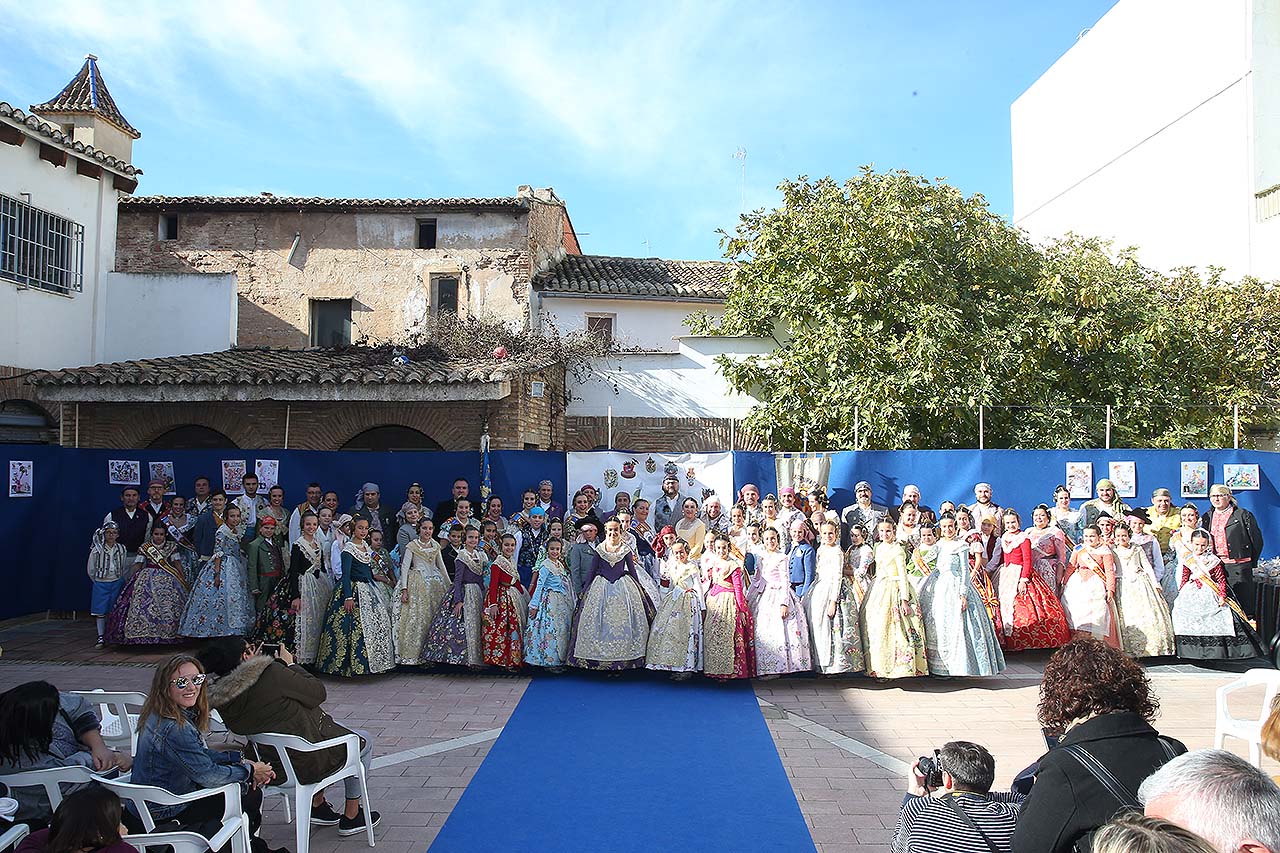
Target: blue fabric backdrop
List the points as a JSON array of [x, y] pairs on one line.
[[47, 536]]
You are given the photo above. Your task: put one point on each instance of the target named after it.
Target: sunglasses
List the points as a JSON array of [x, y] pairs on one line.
[[182, 682]]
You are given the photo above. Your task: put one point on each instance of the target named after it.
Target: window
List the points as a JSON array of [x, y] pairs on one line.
[[168, 226], [444, 294], [40, 249], [426, 233], [330, 322], [601, 326]]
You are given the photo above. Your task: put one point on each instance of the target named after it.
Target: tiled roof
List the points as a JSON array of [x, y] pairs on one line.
[[266, 366], [212, 202], [87, 93], [42, 128], [599, 275]]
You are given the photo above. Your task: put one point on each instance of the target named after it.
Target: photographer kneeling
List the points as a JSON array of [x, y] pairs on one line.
[[949, 807]]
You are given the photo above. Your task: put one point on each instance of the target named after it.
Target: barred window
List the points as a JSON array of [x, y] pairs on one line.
[[40, 249]]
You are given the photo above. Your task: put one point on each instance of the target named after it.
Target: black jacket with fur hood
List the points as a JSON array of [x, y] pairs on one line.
[[262, 695]]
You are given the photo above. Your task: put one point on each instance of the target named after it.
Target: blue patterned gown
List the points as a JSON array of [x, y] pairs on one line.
[[959, 640], [546, 636], [224, 609]]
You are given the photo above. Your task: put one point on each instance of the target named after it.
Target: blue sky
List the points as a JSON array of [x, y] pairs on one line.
[[632, 112]]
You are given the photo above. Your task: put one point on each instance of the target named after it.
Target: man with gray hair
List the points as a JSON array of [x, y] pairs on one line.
[[952, 809], [1219, 796]]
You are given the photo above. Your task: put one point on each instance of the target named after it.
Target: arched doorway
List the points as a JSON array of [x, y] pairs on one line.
[[23, 422], [391, 438], [192, 437]]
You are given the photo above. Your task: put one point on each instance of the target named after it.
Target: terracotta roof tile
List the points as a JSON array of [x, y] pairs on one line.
[[87, 93], [599, 275], [267, 366], [210, 202], [42, 128]]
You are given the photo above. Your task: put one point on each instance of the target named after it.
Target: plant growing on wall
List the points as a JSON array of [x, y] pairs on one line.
[[901, 304]]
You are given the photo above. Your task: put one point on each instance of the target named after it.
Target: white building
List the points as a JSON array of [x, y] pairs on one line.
[[1160, 128], [63, 167]]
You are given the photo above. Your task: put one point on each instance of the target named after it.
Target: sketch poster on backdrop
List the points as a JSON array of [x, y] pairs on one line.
[[803, 471], [124, 472], [21, 479], [163, 471], [268, 471], [641, 474], [233, 471]]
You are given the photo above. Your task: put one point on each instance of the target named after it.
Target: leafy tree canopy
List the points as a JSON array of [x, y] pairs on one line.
[[900, 305]]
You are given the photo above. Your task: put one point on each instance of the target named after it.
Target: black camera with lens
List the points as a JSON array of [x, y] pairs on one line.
[[931, 769]]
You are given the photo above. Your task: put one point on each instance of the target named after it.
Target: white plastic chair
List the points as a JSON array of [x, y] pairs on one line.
[[1246, 729], [13, 835], [235, 824], [51, 780], [119, 724], [188, 842], [302, 791]]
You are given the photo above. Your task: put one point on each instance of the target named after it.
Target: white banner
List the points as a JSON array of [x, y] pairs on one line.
[[641, 474], [803, 471]]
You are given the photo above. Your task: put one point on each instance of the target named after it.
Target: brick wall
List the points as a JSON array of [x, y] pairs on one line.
[[368, 257], [16, 389], [658, 435]]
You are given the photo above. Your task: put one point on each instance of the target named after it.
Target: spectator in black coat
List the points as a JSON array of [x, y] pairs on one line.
[[1236, 539], [1101, 698]]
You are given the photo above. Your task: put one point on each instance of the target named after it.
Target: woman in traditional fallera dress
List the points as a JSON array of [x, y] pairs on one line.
[[421, 588], [1146, 623], [1208, 622], [309, 563], [611, 624], [179, 525], [551, 601], [959, 636], [220, 604], [831, 608], [455, 633], [506, 609], [925, 555], [1031, 615], [1179, 549], [1089, 590], [782, 631], [727, 628], [1069, 521], [859, 561], [691, 529], [357, 638], [892, 622], [149, 608], [1049, 548], [675, 641]]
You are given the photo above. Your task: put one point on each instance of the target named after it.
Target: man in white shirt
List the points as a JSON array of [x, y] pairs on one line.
[[313, 504], [250, 502]]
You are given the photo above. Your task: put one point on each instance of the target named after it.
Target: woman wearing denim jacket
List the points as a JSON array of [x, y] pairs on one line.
[[172, 753]]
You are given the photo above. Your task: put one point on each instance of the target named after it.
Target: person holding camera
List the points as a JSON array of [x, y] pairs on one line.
[[950, 808]]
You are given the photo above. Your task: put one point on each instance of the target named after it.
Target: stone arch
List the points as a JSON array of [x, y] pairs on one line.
[[391, 437], [191, 437], [26, 422]]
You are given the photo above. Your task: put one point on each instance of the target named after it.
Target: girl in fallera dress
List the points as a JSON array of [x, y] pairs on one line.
[[925, 556], [675, 641], [1089, 590], [383, 569], [782, 632], [357, 639], [455, 633], [219, 604], [408, 529], [309, 563], [959, 636], [1208, 622], [691, 529], [533, 542], [1146, 623], [892, 621], [179, 525], [1031, 615], [107, 570], [1049, 547], [506, 609], [831, 608], [1179, 549], [728, 629], [908, 531], [421, 589], [1069, 521], [551, 602], [860, 561], [611, 624], [149, 608]]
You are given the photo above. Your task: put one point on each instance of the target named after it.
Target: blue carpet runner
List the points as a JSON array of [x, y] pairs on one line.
[[630, 764]]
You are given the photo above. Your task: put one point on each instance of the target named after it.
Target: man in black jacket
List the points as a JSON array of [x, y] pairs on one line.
[[371, 510], [1237, 542]]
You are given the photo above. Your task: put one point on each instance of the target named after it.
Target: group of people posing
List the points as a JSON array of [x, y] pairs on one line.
[[773, 585]]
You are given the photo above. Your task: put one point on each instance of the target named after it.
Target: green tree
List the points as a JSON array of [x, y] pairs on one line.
[[899, 306]]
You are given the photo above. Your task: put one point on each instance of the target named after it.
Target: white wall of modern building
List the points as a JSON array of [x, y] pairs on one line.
[[647, 323], [1160, 128]]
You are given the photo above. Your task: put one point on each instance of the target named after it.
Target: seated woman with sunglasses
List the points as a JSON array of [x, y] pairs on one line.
[[173, 754]]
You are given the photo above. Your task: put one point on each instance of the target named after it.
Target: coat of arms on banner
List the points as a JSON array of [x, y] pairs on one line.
[[640, 475]]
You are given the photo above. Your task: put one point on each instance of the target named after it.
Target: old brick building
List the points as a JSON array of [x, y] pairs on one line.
[[313, 399]]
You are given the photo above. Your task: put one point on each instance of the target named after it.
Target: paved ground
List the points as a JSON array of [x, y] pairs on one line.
[[845, 744]]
